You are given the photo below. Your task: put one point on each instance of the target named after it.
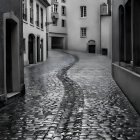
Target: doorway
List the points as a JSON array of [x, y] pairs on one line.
[[38, 49], [12, 67], [31, 49], [57, 42], [41, 51], [9, 25]]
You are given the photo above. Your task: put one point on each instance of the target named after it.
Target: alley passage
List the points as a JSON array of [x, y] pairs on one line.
[[70, 97]]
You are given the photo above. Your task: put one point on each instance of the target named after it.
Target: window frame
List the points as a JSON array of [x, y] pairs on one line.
[[83, 32], [31, 11], [63, 10], [42, 17], [63, 24], [83, 11], [24, 10]]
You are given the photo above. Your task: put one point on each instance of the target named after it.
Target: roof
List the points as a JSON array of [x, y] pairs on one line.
[[44, 2]]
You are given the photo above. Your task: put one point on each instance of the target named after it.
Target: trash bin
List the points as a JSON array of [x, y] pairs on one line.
[[104, 51], [91, 46]]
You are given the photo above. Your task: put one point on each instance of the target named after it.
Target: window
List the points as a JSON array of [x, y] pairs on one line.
[[63, 11], [37, 15], [83, 11], [83, 33], [63, 23], [31, 11], [24, 9], [54, 8], [41, 18]]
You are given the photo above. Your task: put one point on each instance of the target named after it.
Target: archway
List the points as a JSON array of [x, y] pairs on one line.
[[128, 42], [31, 48], [121, 33]]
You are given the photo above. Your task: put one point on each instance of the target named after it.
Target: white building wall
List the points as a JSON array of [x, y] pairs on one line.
[[57, 31], [92, 22], [29, 28], [106, 32]]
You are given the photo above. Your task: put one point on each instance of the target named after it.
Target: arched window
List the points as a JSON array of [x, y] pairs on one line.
[[128, 32], [121, 33]]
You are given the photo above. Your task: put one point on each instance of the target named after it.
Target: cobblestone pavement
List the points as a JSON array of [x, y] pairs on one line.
[[70, 98], [107, 114]]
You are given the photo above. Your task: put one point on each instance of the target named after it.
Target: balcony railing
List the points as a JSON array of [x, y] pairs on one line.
[[56, 15]]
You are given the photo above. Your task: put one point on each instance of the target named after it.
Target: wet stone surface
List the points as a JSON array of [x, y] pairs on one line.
[[70, 98], [107, 114]]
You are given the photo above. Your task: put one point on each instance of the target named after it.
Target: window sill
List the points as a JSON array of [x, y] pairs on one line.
[[129, 67], [83, 37], [83, 17], [31, 24], [37, 27], [54, 25], [24, 21]]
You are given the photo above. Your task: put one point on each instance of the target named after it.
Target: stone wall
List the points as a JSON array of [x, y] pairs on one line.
[[7, 6]]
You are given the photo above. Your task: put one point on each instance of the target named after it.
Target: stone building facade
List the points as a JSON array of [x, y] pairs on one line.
[[106, 27], [126, 48], [87, 25], [79, 25], [11, 48], [57, 31], [83, 24], [34, 30]]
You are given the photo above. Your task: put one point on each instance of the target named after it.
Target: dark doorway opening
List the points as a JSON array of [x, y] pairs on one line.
[[91, 48], [9, 25], [11, 28], [104, 51], [121, 33], [41, 49], [38, 49], [57, 43], [31, 49]]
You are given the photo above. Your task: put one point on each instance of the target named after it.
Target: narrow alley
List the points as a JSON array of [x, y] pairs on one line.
[[71, 96]]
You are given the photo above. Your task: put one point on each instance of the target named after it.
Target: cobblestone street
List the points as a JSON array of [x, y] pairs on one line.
[[70, 97]]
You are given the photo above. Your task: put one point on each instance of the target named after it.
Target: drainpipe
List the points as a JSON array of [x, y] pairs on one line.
[[100, 32], [132, 35]]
